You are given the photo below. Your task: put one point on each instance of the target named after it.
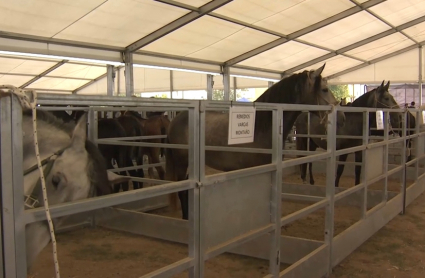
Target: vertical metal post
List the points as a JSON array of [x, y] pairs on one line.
[[276, 194], [92, 135], [226, 82], [270, 83], [118, 81], [234, 89], [129, 77], [210, 86], [363, 176], [14, 243], [330, 185], [194, 194], [171, 83], [386, 154], [416, 144], [110, 80], [203, 224], [420, 76], [403, 161]]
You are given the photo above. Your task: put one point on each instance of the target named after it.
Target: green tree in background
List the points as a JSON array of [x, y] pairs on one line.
[[339, 91], [219, 94]]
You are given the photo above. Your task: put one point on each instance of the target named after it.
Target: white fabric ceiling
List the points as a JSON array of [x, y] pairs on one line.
[[358, 40]]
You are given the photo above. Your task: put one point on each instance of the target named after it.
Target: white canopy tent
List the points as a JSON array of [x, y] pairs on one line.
[[65, 46]]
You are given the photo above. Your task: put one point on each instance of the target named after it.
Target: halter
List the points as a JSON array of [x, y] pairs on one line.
[[326, 113], [31, 201]]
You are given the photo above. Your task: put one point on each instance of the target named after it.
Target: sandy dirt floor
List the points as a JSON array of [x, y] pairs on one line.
[[397, 250]]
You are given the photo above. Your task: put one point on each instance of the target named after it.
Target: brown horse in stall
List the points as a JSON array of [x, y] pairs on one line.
[[152, 126]]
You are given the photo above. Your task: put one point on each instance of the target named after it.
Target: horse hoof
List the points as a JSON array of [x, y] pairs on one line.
[[304, 182]]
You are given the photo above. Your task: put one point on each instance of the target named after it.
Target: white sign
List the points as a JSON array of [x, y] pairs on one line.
[[379, 119], [423, 117], [241, 125]]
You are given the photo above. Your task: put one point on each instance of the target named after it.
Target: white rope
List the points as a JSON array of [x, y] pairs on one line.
[[43, 185]]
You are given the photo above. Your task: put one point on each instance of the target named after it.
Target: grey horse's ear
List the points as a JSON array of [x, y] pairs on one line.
[[382, 84], [318, 72], [78, 140], [387, 86]]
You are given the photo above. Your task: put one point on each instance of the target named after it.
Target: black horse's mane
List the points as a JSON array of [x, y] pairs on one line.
[[362, 100], [287, 90], [96, 165]]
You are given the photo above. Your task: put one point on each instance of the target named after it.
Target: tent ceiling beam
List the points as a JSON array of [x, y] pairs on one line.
[[44, 73], [191, 16], [401, 51], [304, 31], [386, 22], [355, 45]]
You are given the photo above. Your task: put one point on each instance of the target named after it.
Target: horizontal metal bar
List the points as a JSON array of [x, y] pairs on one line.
[[38, 214], [226, 176], [230, 244], [136, 137], [349, 191], [395, 170], [302, 160], [140, 144], [350, 150], [172, 269], [299, 197], [303, 212], [375, 208], [237, 149], [297, 152], [144, 166], [154, 181], [298, 135]]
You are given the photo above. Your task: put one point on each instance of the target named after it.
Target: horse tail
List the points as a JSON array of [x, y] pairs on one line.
[[170, 175]]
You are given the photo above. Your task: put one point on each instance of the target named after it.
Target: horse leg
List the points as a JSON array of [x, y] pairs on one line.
[[313, 148], [358, 168], [340, 169], [301, 144], [303, 170], [155, 159]]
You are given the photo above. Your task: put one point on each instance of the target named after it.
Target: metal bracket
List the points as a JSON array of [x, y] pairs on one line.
[[199, 184]]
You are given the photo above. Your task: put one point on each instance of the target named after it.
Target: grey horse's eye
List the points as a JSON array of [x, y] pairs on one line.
[[56, 179]]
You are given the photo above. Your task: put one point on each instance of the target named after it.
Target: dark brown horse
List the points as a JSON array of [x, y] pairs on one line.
[[376, 98], [152, 126], [307, 87]]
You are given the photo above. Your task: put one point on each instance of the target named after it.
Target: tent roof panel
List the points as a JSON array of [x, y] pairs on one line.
[[14, 80], [397, 12], [57, 83], [24, 66], [42, 17], [303, 14], [234, 45], [78, 71], [203, 33], [381, 47], [284, 56], [417, 32], [334, 65], [252, 11], [121, 22], [346, 31]]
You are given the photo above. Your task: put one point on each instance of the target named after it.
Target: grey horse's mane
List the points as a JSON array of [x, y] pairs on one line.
[[96, 168]]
